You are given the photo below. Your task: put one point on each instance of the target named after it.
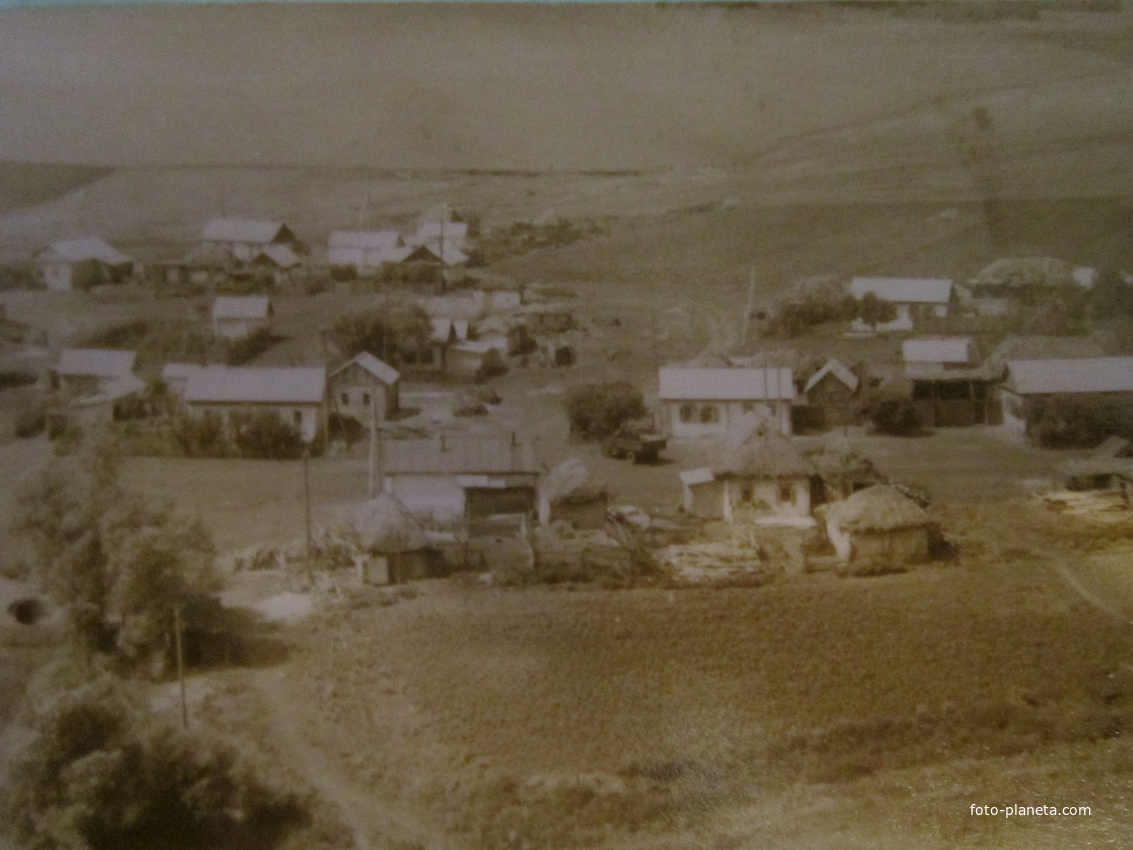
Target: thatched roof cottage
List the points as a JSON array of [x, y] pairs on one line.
[[878, 528]]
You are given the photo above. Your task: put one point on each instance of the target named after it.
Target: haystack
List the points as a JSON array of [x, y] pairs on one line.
[[384, 525]]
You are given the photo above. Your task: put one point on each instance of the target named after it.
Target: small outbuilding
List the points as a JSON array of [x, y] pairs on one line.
[[396, 547], [239, 316], [878, 529], [365, 387], [83, 263]]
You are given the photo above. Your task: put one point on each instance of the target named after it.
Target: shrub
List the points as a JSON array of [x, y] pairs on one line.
[[1063, 422], [30, 423], [103, 771], [264, 434], [253, 345], [201, 436], [491, 366], [345, 428], [598, 410], [894, 416]]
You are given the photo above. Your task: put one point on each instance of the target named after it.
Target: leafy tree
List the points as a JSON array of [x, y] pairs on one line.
[[116, 563], [1110, 297], [873, 311], [264, 434], [598, 410], [103, 771], [387, 333], [894, 416], [201, 436], [1083, 422]]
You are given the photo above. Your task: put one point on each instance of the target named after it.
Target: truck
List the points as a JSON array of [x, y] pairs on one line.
[[640, 446]]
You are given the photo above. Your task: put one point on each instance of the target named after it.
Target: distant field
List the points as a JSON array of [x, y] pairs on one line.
[[25, 184]]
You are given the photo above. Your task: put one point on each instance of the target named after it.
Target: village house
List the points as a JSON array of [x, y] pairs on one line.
[[465, 477], [365, 251], [915, 299], [240, 316], [365, 387], [829, 398], [763, 473], [1029, 383], [297, 394], [82, 371], [877, 529], [83, 263], [175, 376], [245, 240], [710, 402], [950, 385]]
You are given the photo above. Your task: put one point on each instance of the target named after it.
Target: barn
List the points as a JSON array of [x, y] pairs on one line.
[[365, 387]]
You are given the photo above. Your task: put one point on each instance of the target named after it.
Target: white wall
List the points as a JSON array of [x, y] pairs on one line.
[[729, 415], [438, 496]]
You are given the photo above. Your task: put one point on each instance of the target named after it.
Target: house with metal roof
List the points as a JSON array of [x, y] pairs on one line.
[[238, 316], [365, 387], [453, 477], [366, 250], [950, 385], [244, 239], [914, 298], [82, 263], [1028, 383], [297, 394], [711, 402], [81, 371]]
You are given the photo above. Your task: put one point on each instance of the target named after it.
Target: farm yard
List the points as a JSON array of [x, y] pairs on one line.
[[752, 469]]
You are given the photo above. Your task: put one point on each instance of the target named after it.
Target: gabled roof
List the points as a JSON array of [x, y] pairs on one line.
[[1092, 375], [463, 455], [238, 385], [834, 367], [378, 368], [448, 330], [85, 248], [366, 239], [281, 255], [1043, 348], [728, 384], [112, 390], [960, 350], [904, 290], [709, 359], [450, 255], [95, 362], [241, 307], [245, 230], [700, 475], [432, 231]]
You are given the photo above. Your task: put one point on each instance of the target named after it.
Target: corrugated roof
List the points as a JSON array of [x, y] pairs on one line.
[[459, 456], [241, 307], [87, 248], [242, 230], [365, 239], [834, 367], [1084, 375], [378, 368], [233, 385], [728, 384], [950, 349], [904, 290], [95, 362]]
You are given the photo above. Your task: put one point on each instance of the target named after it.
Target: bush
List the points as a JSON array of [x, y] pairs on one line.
[[265, 435], [30, 423], [894, 416], [598, 410], [253, 345], [103, 771], [345, 428], [202, 436], [1063, 422], [491, 366]]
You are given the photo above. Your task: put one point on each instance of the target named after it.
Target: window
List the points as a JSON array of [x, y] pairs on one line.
[[687, 412], [298, 417], [749, 407], [366, 399], [786, 492], [346, 399], [709, 414], [745, 495]]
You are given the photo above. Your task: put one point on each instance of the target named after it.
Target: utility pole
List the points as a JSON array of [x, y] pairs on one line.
[[307, 506], [180, 664], [747, 311], [373, 443]]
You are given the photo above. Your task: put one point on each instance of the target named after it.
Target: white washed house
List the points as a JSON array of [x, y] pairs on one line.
[[711, 402], [82, 263], [246, 239], [238, 316]]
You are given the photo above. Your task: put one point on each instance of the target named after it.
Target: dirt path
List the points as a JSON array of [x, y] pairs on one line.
[[377, 824]]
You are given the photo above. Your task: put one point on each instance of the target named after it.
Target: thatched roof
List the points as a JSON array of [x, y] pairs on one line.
[[882, 507], [385, 525], [837, 458], [763, 453]]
